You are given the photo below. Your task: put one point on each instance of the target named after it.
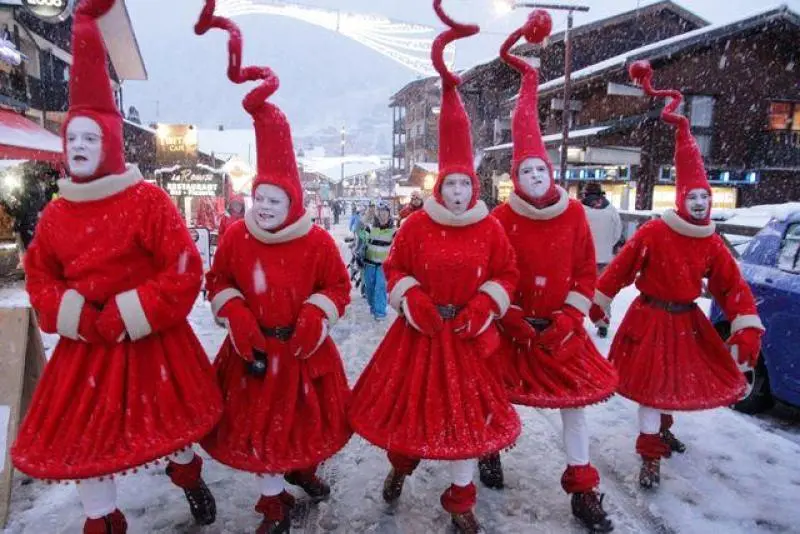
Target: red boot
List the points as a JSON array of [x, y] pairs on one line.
[[113, 523], [277, 510], [459, 502], [201, 501]]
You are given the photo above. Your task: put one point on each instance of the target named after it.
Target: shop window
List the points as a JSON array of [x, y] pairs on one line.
[[704, 144], [702, 111], [790, 250], [784, 116]]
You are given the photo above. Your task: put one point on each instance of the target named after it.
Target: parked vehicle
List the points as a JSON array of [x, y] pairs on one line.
[[771, 265]]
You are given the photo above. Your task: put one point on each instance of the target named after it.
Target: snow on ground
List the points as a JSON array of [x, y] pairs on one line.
[[739, 476]]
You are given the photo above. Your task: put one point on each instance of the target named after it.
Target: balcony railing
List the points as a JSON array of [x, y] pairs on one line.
[[53, 96], [399, 151], [777, 149], [13, 92]]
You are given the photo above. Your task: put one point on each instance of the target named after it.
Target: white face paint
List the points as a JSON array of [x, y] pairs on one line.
[[270, 206], [457, 192], [698, 204], [84, 147], [534, 177]]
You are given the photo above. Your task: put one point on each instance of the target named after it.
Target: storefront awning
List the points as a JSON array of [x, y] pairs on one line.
[[21, 138], [552, 138]]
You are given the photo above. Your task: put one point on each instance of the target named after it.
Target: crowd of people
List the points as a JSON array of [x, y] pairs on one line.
[[491, 308]]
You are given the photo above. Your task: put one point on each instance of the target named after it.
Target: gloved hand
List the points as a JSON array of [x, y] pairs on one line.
[[563, 328], [748, 343], [243, 329], [476, 316], [87, 327], [310, 331], [109, 323], [599, 316], [515, 326], [421, 312]]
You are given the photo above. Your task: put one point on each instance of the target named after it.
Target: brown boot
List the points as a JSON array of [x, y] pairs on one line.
[[201, 501], [459, 502], [674, 444], [650, 473], [113, 523], [307, 479], [587, 507], [277, 510], [393, 486], [466, 523], [491, 471]]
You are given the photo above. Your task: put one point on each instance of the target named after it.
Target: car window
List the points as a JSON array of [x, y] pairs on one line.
[[789, 259]]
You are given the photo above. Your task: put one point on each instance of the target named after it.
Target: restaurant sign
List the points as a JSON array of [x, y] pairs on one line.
[[190, 183]]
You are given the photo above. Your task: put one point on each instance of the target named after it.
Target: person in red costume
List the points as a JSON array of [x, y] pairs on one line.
[[428, 392], [113, 270], [235, 213], [668, 355], [279, 283], [546, 359], [415, 204]]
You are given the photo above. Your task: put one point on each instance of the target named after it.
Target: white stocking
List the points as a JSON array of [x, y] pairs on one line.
[[271, 485], [183, 457], [99, 497], [576, 436], [461, 472], [649, 420]]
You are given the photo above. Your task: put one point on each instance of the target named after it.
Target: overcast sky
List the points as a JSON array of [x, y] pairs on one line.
[[320, 71]]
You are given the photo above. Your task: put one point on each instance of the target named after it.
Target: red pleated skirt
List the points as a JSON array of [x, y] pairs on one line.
[[101, 409], [432, 397], [674, 361], [534, 378], [293, 418]]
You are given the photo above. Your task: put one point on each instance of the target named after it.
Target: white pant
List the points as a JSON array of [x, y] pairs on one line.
[[99, 497], [650, 420], [461, 472], [576, 436], [271, 485]]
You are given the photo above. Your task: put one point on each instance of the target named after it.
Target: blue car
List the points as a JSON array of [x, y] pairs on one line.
[[771, 265]]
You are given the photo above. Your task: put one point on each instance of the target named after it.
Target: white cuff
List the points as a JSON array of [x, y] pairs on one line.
[[224, 297], [69, 314], [132, 312], [579, 302], [486, 325], [746, 321], [602, 300], [400, 289], [499, 295], [327, 306], [407, 314]]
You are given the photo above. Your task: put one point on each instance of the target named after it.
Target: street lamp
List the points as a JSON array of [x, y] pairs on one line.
[[566, 112]]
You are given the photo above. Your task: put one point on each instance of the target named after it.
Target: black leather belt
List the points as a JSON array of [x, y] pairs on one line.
[[281, 333], [448, 312], [671, 307], [539, 324]]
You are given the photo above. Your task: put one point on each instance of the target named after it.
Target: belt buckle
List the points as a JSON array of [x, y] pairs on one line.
[[539, 324], [447, 311]]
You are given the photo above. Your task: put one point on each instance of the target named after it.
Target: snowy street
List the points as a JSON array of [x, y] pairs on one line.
[[740, 474]]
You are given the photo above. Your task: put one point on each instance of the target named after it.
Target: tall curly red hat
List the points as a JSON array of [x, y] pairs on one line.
[[90, 92], [525, 131], [689, 169], [455, 130], [276, 163]]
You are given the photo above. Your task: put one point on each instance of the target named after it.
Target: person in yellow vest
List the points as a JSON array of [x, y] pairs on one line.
[[379, 241]]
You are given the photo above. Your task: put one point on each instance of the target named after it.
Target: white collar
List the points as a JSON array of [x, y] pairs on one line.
[[101, 188], [297, 229], [521, 207], [682, 227], [445, 217]]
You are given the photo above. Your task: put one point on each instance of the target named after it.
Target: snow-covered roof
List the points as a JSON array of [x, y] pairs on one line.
[[573, 134], [120, 39], [758, 216], [18, 131], [331, 168], [428, 167], [652, 50]]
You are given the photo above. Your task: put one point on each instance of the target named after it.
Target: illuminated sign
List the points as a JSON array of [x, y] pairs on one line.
[[52, 11], [176, 144]]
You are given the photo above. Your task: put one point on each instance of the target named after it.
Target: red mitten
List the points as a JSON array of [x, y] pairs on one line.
[[421, 312], [599, 316], [562, 329], [516, 327], [243, 329], [87, 327], [476, 316], [109, 324], [310, 331], [748, 343]]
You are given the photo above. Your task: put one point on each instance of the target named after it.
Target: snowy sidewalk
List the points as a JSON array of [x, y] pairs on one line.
[[739, 475]]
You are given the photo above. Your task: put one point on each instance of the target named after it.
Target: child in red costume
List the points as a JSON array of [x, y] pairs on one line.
[[113, 270], [279, 284], [668, 355], [428, 391], [547, 360]]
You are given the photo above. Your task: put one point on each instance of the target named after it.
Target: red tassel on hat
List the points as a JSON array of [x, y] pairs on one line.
[[689, 169], [276, 163], [90, 92], [525, 130], [455, 130]]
